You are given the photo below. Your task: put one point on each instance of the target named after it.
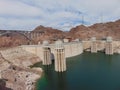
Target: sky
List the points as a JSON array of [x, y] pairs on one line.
[[60, 14]]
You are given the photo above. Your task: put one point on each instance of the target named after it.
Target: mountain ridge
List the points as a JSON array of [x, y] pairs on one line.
[[82, 32]]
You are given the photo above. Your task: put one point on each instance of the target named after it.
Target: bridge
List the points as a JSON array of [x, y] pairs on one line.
[[27, 34]]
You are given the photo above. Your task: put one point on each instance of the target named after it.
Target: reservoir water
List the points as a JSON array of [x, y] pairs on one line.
[[88, 71]]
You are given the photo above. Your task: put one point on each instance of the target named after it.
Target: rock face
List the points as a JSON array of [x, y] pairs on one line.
[[14, 68], [81, 32], [3, 85], [11, 40], [20, 57], [100, 30], [20, 78], [3, 64], [50, 34]]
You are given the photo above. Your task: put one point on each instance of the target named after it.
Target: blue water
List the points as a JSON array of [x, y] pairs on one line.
[[88, 71]]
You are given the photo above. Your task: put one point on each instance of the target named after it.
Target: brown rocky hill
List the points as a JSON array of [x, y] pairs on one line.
[[99, 30], [81, 32], [47, 30], [50, 34], [12, 39]]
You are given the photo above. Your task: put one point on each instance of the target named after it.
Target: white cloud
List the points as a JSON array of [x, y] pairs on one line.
[[16, 8], [22, 14]]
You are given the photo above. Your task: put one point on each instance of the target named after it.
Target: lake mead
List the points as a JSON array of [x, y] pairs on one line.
[[88, 71]]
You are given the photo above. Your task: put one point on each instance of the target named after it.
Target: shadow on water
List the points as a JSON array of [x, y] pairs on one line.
[[62, 82]]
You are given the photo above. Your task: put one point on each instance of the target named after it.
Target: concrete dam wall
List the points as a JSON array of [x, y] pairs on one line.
[[101, 45], [71, 49]]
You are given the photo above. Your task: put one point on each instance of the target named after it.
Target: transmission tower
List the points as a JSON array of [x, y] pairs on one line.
[[82, 20]]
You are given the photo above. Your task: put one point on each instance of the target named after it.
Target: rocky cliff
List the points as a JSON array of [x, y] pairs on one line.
[[50, 34], [12, 39], [19, 57], [14, 69], [99, 30]]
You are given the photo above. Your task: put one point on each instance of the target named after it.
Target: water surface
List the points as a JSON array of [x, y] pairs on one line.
[[88, 71]]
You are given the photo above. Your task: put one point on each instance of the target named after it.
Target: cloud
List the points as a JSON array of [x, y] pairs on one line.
[[61, 14]]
